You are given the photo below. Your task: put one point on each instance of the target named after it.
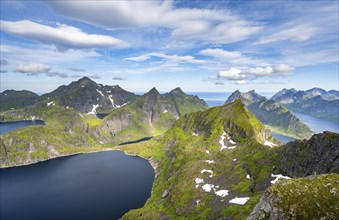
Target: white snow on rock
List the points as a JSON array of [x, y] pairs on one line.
[[248, 176], [269, 143], [277, 177], [222, 138], [222, 193], [239, 200], [82, 86], [100, 93], [198, 181], [51, 103], [165, 111], [207, 171], [110, 98], [5, 93], [207, 151], [93, 112], [222, 143], [209, 161], [207, 187]]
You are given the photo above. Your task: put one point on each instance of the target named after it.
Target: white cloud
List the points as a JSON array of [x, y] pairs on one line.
[[214, 26], [301, 32], [33, 68], [221, 54], [171, 59], [240, 76], [63, 36], [119, 78], [75, 69], [47, 53], [232, 74]]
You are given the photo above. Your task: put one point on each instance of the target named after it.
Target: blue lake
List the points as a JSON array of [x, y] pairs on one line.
[[102, 185], [10, 126]]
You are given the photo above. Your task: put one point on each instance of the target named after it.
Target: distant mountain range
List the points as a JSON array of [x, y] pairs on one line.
[[273, 114], [315, 102]]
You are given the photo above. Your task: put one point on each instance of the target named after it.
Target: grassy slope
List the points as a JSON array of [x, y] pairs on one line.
[[315, 197], [181, 156], [64, 133]]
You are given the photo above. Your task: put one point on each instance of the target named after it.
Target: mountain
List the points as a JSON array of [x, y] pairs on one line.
[[271, 113], [205, 160], [220, 163], [246, 97], [148, 115], [16, 99], [315, 102], [86, 96]]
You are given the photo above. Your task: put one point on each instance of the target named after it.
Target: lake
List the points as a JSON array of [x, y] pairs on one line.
[[102, 185], [10, 126]]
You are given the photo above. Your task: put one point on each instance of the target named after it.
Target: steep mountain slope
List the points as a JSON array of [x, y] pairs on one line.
[[86, 96], [204, 162], [315, 102], [16, 99], [148, 115], [215, 165], [271, 113]]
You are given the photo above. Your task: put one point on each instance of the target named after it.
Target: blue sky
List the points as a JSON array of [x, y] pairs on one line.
[[216, 46]]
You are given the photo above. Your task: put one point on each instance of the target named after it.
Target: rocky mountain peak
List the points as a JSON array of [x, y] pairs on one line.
[[176, 91]]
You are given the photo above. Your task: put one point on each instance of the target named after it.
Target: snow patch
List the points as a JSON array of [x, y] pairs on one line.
[[5, 93], [269, 143], [110, 98], [198, 181], [209, 161], [100, 93], [222, 193], [207, 187], [239, 200], [93, 112], [207, 171], [51, 103], [222, 143], [82, 86], [279, 176]]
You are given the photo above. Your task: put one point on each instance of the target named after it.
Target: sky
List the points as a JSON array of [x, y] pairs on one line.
[[206, 46]]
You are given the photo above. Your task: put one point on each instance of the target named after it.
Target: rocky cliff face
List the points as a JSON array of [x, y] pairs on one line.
[[273, 114], [317, 155], [86, 96], [16, 99]]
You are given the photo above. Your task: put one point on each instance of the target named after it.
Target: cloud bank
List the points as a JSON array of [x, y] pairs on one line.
[[62, 36]]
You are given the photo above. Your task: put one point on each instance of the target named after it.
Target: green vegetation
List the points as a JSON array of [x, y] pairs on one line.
[[180, 157], [314, 197]]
